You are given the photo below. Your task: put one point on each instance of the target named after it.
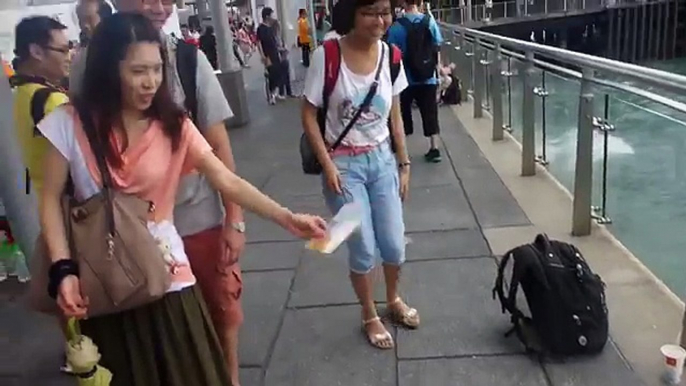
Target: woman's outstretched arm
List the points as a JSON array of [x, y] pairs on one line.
[[246, 195]]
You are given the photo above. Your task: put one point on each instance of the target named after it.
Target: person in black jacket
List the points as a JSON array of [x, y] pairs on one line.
[[208, 45]]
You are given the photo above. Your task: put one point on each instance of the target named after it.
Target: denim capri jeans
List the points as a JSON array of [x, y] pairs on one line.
[[371, 179]]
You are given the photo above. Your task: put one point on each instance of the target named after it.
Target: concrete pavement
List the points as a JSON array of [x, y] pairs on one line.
[[302, 325]]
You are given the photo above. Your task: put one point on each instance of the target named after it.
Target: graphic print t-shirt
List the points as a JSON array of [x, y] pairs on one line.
[[372, 127]]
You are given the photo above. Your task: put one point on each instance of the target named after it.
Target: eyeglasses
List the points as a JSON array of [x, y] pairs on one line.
[[62, 50]]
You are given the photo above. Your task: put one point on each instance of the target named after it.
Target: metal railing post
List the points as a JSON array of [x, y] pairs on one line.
[[583, 173], [496, 93], [478, 78], [462, 65], [528, 117]]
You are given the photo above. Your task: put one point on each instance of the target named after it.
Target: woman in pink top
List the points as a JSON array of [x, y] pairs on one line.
[[148, 144]]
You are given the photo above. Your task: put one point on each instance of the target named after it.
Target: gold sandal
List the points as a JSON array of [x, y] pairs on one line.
[[383, 341], [403, 314]]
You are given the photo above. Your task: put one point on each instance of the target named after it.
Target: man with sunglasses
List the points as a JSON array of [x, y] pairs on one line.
[[212, 228]]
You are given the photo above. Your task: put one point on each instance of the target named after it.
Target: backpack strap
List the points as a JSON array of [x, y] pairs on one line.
[[332, 68], [187, 66], [395, 58], [38, 101], [508, 303]]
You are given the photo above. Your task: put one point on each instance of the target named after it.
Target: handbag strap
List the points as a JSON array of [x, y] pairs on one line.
[[97, 147], [365, 103]]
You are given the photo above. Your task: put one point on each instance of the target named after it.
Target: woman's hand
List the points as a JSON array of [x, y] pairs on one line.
[[69, 298], [333, 178], [304, 226], [404, 175]]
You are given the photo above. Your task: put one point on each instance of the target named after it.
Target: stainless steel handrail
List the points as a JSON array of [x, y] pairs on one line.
[[647, 75], [671, 103]]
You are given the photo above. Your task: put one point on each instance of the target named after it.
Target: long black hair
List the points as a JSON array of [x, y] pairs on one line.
[[101, 98]]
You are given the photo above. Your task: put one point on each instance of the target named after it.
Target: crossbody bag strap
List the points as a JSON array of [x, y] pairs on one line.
[[96, 145], [367, 101]]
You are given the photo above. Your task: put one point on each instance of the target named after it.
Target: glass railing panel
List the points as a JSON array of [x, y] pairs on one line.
[[517, 106], [562, 109], [507, 94], [646, 182]]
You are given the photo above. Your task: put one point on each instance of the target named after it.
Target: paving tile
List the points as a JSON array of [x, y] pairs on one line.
[[323, 280], [437, 208], [272, 255], [34, 340], [446, 244], [264, 300], [256, 174], [324, 346], [426, 174], [250, 376], [260, 230], [492, 201], [459, 316], [291, 181], [487, 371], [606, 369]]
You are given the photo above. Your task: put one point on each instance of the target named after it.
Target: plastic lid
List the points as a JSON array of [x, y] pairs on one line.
[[673, 351]]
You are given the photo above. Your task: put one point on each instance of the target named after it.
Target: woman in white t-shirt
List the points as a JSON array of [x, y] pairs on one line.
[[363, 169]]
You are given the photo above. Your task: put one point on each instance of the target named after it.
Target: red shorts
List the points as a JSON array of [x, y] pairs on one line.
[[221, 288]]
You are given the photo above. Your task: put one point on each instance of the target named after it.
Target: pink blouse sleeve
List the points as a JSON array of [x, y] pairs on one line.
[[195, 144]]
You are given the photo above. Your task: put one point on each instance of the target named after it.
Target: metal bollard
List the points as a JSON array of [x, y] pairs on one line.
[[479, 80], [583, 173], [496, 93], [528, 116]]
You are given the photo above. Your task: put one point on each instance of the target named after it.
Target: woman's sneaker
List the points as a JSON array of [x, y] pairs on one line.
[[433, 155]]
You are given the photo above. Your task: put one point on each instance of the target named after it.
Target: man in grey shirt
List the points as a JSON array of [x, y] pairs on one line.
[[212, 228]]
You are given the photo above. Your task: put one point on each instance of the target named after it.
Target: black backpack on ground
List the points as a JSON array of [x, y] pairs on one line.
[[421, 56], [566, 299], [453, 94]]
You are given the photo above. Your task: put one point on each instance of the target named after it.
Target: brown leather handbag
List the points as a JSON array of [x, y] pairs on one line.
[[121, 265]]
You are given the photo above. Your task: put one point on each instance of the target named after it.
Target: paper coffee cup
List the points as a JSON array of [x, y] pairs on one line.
[[674, 362]]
